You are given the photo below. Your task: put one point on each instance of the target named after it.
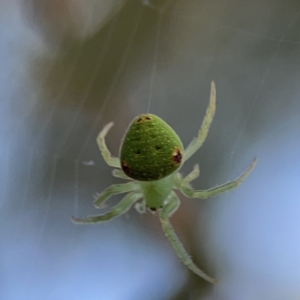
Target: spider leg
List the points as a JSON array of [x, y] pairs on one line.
[[111, 161], [140, 207], [120, 174], [209, 115], [115, 189], [179, 181], [188, 191], [171, 204], [164, 214], [191, 176], [122, 207]]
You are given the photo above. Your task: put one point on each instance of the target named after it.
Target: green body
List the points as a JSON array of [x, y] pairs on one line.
[[150, 154], [151, 149], [155, 192]]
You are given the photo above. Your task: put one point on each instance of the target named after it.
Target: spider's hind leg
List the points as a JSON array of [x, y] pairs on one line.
[[168, 209], [209, 115], [111, 161]]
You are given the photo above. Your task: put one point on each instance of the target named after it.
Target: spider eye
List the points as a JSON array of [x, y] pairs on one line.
[[151, 149]]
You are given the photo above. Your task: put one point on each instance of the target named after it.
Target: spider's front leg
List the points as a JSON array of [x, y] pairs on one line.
[[168, 209], [189, 192], [113, 190], [121, 208]]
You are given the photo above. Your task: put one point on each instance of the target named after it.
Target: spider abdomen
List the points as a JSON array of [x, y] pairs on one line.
[[151, 149]]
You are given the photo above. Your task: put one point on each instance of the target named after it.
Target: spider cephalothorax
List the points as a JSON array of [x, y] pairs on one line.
[[150, 157]]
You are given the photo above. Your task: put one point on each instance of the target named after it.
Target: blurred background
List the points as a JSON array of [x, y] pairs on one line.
[[68, 67]]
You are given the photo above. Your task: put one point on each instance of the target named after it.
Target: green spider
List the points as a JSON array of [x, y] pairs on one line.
[[150, 155]]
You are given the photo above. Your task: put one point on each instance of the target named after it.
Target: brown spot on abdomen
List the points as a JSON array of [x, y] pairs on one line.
[[125, 168], [176, 156]]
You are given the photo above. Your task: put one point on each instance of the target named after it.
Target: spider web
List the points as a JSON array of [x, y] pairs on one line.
[[156, 56]]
